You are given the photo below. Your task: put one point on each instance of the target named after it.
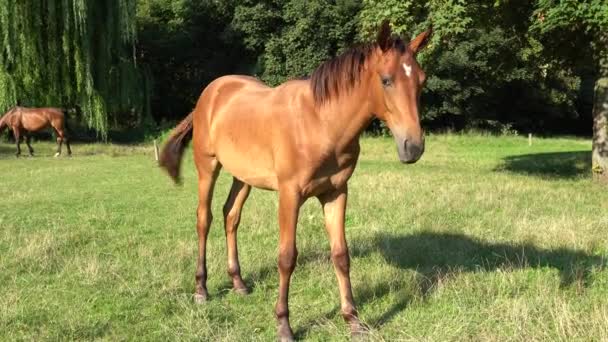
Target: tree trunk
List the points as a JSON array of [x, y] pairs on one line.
[[599, 159]]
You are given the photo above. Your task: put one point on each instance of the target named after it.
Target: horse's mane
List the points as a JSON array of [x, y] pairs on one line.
[[341, 73]]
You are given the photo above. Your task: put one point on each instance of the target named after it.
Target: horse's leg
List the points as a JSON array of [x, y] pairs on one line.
[[289, 207], [334, 207], [208, 170], [58, 126], [67, 144], [17, 136], [66, 140], [232, 217], [28, 139], [61, 137], [59, 142]]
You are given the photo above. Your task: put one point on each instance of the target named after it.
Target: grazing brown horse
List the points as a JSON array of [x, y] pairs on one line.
[[302, 140], [25, 120]]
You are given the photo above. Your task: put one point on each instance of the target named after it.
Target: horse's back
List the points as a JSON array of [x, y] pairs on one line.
[[35, 119], [49, 112], [243, 123], [53, 112], [227, 89], [230, 100]]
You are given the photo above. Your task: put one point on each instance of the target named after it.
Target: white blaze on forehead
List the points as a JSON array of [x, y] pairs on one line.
[[408, 69]]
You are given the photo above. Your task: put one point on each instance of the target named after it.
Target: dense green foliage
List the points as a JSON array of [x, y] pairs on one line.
[[577, 33], [186, 45], [484, 239], [497, 65], [489, 64], [293, 37], [72, 54]]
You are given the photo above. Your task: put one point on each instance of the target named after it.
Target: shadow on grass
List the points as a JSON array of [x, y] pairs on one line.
[[271, 271], [8, 151], [437, 256], [549, 165]]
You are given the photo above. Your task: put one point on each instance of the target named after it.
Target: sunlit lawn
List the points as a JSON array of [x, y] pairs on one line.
[[485, 238]]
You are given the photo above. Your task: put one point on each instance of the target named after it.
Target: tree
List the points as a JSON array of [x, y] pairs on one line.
[[483, 66], [293, 37], [72, 53], [186, 44], [577, 31]]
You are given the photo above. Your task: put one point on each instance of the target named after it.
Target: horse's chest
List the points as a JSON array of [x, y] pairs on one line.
[[339, 179], [332, 174]]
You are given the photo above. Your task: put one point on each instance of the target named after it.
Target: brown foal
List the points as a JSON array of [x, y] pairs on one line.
[[25, 120], [302, 140]]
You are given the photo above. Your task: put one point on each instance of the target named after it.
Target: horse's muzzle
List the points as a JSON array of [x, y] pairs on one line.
[[409, 151]]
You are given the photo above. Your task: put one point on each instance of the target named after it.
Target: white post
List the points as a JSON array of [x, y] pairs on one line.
[[529, 139], [155, 150]]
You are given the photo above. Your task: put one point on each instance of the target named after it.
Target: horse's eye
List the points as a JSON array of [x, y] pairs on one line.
[[386, 81]]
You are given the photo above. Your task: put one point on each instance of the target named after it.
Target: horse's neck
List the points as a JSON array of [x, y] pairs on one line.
[[8, 114], [15, 111], [348, 116], [4, 120]]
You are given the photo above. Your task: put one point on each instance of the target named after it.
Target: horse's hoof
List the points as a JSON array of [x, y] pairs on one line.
[[200, 298], [57, 154], [285, 334], [243, 291], [359, 332], [286, 338]]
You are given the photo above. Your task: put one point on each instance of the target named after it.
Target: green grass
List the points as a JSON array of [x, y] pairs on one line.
[[485, 238]]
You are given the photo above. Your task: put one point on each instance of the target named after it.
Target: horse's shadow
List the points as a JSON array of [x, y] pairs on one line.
[[436, 256]]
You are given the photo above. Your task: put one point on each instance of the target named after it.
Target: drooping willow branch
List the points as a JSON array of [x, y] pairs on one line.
[[70, 53]]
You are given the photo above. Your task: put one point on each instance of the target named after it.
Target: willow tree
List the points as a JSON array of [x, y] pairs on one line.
[[72, 53]]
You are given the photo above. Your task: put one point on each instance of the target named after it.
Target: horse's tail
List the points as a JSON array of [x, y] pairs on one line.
[[171, 156]]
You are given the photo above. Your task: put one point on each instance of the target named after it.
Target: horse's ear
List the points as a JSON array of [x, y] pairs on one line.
[[384, 36], [421, 40]]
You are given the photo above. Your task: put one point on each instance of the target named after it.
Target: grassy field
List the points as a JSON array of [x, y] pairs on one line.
[[485, 238]]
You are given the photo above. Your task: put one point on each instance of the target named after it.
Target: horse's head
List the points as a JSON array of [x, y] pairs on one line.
[[397, 84]]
